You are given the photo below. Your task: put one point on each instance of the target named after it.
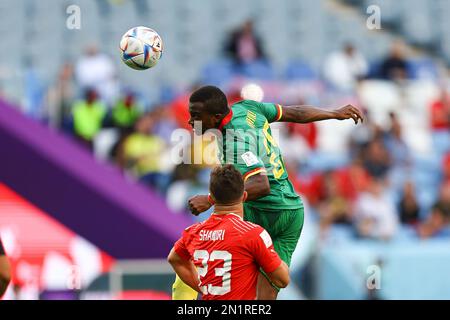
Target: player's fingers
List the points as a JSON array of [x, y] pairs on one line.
[[358, 113], [193, 211], [353, 116]]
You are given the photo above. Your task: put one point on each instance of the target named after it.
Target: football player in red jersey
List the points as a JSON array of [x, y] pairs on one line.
[[221, 257], [5, 273]]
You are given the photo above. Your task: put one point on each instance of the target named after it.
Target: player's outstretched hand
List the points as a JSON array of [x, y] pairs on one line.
[[198, 204], [349, 112]]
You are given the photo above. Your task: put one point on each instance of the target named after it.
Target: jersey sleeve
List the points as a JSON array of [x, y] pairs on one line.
[[249, 162], [262, 249], [273, 112], [181, 248]]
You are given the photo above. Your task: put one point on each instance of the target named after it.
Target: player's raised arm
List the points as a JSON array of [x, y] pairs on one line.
[[305, 114]]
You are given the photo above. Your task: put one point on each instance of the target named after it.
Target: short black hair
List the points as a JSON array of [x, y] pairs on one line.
[[214, 100], [226, 184]]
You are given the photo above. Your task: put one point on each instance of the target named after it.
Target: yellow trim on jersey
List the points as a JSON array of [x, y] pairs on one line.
[[279, 113], [253, 172]]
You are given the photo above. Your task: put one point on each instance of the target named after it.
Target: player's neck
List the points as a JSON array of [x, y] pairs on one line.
[[237, 209]]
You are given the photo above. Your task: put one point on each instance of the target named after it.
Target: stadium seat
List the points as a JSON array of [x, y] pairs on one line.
[[257, 70], [300, 70], [423, 68]]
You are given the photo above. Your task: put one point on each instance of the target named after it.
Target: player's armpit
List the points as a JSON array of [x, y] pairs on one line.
[[257, 186], [280, 277]]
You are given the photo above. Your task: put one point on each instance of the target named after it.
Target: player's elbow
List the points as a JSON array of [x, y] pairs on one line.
[[172, 258], [284, 280], [281, 276]]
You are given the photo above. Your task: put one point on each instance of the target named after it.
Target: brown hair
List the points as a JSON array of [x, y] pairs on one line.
[[226, 184]]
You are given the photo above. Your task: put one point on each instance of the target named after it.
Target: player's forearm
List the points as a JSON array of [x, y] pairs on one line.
[[188, 274], [305, 114], [280, 277], [5, 275], [185, 269]]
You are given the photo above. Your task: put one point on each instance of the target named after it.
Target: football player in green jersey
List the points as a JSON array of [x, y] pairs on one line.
[[247, 142]]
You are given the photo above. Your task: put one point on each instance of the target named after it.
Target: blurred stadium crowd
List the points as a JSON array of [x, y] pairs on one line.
[[384, 179]]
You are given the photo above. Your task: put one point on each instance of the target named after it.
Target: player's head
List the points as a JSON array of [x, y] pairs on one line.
[[208, 105], [226, 185]]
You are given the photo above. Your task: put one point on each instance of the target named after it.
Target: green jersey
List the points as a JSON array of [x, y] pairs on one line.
[[248, 144]]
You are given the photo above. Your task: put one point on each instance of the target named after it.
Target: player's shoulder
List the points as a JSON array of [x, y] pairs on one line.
[[245, 105], [193, 228], [244, 227]]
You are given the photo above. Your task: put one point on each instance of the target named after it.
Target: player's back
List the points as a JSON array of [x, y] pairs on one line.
[[227, 253]]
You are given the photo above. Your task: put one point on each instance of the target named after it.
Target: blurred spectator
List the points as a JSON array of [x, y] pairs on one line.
[[142, 153], [88, 116], [394, 66], [398, 150], [344, 68], [353, 179], [376, 158], [184, 185], [244, 46], [164, 122], [180, 111], [307, 131], [34, 92], [60, 97], [126, 112], [363, 134], [180, 108], [335, 208], [446, 169], [375, 214], [440, 112], [97, 70], [437, 222], [409, 207]]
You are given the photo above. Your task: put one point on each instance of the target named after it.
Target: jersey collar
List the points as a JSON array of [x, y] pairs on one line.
[[226, 215], [226, 120]]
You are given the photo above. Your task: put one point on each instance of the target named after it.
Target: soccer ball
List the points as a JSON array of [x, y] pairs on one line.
[[141, 48]]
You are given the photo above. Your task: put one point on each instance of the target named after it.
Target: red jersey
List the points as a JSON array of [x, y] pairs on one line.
[[228, 253]]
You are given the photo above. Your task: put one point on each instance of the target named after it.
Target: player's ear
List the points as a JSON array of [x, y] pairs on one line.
[[218, 118], [244, 197]]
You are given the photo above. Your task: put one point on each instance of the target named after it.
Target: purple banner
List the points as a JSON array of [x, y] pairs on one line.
[[93, 199]]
